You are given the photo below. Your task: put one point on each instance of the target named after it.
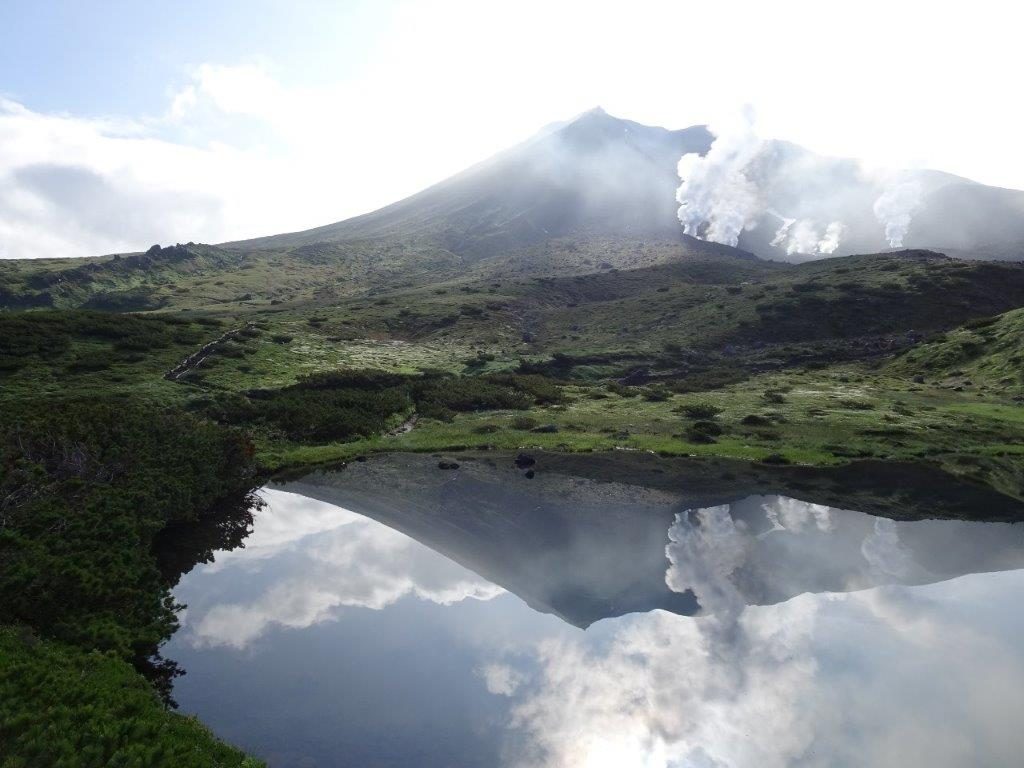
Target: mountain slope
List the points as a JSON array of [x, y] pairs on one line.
[[596, 174]]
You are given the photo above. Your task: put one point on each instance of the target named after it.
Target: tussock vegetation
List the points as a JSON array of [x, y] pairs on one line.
[[48, 336], [352, 404]]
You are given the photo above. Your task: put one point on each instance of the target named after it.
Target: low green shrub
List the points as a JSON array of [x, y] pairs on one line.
[[700, 410], [703, 431], [60, 705]]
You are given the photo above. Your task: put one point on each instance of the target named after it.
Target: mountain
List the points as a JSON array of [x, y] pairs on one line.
[[597, 176]]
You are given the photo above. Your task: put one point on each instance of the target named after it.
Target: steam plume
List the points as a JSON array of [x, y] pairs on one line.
[[819, 202], [726, 192], [782, 234], [717, 200], [802, 236], [895, 208], [833, 234]]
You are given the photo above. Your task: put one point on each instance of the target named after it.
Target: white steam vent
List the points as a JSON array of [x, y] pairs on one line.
[[895, 208], [811, 203]]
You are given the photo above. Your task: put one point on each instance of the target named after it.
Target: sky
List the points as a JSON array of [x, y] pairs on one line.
[[124, 124]]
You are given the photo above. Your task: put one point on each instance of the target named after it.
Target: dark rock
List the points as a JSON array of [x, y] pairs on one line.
[[447, 465], [524, 460], [529, 474]]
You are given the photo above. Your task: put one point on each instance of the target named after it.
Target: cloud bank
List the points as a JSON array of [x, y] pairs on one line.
[[235, 154]]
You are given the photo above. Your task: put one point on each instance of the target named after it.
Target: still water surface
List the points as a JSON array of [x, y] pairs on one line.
[[570, 622]]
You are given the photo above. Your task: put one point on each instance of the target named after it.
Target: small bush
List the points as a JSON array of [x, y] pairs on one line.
[[703, 432], [97, 361], [857, 405], [656, 394], [700, 410], [622, 390], [440, 398]]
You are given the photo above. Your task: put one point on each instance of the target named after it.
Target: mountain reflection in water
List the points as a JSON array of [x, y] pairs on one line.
[[442, 624]]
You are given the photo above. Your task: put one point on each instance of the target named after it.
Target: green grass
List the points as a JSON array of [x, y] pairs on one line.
[[988, 352], [821, 422]]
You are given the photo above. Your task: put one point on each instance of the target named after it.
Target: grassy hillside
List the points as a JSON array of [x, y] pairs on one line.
[[603, 309], [324, 384], [125, 436], [217, 279], [986, 353]]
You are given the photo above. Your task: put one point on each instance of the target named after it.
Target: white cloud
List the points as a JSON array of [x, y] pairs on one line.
[[323, 559], [871, 678], [500, 679], [668, 692], [794, 515], [704, 554], [73, 187]]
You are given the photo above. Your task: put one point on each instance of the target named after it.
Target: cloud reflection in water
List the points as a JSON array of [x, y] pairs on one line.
[[861, 678], [352, 562], [824, 638]]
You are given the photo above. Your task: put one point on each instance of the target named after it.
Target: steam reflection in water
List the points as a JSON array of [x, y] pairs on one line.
[[821, 637]]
